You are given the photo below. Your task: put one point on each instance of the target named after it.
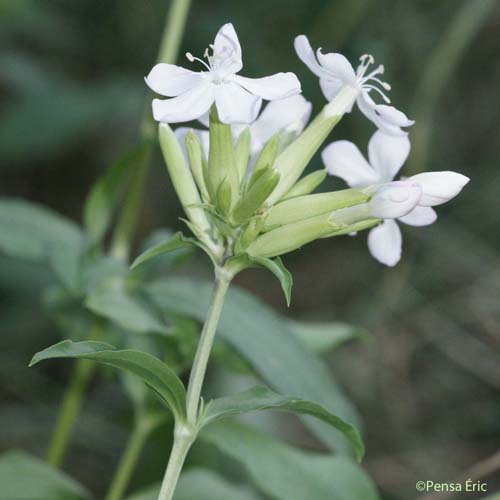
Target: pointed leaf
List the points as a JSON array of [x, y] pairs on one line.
[[284, 472], [261, 398], [177, 241], [103, 196], [277, 267], [24, 477], [153, 372]]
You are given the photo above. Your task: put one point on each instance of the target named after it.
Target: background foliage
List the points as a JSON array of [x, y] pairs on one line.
[[426, 376]]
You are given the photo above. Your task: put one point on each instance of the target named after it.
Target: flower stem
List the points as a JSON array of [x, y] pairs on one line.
[[70, 408], [185, 434], [129, 458]]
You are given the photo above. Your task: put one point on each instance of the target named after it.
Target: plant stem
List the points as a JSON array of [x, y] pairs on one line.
[[222, 280], [71, 404], [180, 448], [129, 459], [185, 433], [127, 221]]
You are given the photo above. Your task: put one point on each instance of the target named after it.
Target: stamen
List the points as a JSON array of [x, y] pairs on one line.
[[191, 58], [372, 87]]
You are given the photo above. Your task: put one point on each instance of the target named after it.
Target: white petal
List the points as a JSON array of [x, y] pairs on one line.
[[337, 66], [393, 116], [170, 80], [385, 242], [395, 199], [235, 104], [186, 107], [272, 87], [439, 187], [307, 56], [227, 50], [330, 88], [290, 114], [387, 153], [343, 159], [419, 216], [370, 110]]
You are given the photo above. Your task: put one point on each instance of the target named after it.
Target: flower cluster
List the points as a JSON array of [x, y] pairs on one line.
[[240, 181]]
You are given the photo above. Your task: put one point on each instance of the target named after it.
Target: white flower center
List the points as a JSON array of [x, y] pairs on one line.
[[367, 81], [218, 64]]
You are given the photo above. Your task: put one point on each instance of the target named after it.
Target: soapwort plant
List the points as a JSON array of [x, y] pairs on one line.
[[247, 203]]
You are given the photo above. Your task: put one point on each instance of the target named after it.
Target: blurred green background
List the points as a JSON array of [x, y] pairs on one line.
[[427, 380]]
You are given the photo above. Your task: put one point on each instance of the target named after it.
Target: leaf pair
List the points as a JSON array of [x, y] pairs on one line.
[[169, 388]]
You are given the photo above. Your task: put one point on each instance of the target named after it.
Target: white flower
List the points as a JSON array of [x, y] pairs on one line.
[[238, 99], [287, 116], [386, 157], [336, 72]]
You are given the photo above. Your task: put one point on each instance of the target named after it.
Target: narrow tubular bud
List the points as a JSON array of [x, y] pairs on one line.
[[307, 185], [291, 236], [256, 195], [250, 233], [196, 161], [221, 163], [294, 158], [303, 207], [242, 153], [182, 178], [268, 154]]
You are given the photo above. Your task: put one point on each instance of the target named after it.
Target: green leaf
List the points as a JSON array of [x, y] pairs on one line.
[[198, 483], [24, 477], [261, 398], [103, 196], [153, 372], [266, 341], [177, 241], [320, 337], [31, 231], [284, 472], [277, 267], [111, 300]]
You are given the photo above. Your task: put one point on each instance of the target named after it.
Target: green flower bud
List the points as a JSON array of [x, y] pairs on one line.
[[182, 179], [303, 207], [307, 184], [268, 154], [197, 162], [221, 162], [291, 236], [256, 194], [242, 153]]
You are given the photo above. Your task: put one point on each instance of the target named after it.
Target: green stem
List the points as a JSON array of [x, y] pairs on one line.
[[127, 221], [129, 459], [71, 405], [185, 433]]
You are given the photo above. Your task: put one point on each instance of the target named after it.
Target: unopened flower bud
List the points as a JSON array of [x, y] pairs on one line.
[[395, 199]]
